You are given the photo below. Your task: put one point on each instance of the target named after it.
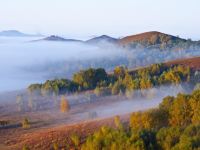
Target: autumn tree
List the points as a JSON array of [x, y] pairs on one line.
[[151, 119], [118, 123], [168, 137], [25, 147], [64, 104], [138, 120], [128, 81], [189, 140], [172, 77], [89, 79], [120, 71], [145, 83], [25, 123], [173, 125], [76, 140], [55, 146], [118, 87], [180, 111], [35, 89], [195, 106]]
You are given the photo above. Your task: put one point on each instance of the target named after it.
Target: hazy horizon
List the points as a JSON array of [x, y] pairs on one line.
[[85, 19]]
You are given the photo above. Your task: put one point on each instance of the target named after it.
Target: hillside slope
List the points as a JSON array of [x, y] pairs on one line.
[[151, 38], [43, 138], [157, 40]]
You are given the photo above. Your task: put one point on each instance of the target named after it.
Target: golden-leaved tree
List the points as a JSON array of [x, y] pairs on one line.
[[64, 105]]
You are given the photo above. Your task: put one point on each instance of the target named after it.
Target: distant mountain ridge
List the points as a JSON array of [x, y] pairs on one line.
[[102, 39], [146, 40], [58, 38], [94, 41], [15, 33]]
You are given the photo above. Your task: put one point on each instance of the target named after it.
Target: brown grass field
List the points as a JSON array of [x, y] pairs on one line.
[[193, 63]]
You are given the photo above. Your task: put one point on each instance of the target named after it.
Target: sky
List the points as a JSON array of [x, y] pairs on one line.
[[85, 18]]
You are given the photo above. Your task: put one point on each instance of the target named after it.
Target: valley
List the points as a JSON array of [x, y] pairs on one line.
[[88, 113]]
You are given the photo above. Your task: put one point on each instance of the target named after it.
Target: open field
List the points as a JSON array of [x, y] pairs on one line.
[[50, 126]]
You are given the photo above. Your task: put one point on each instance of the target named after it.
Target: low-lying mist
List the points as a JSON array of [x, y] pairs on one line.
[[150, 98], [23, 62], [92, 107], [86, 105]]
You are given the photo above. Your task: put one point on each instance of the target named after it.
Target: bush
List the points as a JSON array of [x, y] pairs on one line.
[[26, 124], [25, 148], [75, 140]]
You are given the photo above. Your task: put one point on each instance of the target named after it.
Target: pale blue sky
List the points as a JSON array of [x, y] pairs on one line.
[[82, 18]]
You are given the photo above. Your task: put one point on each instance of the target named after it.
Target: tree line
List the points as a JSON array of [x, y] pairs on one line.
[[122, 81], [174, 125]]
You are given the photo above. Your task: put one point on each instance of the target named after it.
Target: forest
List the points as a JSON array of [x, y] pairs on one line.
[[175, 125], [120, 81]]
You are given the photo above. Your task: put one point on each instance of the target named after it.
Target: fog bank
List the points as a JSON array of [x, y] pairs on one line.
[[23, 62], [139, 103]]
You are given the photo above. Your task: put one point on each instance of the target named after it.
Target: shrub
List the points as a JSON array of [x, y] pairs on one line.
[[26, 124], [75, 140]]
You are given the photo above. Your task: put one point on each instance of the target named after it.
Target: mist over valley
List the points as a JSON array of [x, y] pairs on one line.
[[36, 59]]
